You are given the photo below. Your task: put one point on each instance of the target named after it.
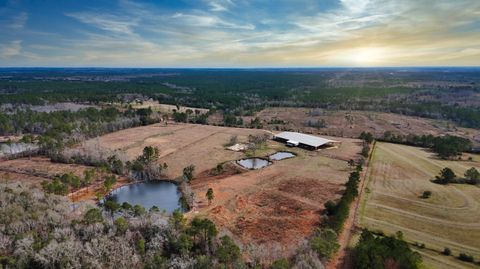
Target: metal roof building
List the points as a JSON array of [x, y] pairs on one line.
[[303, 140]]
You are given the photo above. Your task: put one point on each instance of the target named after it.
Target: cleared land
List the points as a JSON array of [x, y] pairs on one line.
[[398, 175], [179, 144], [165, 108], [277, 207], [352, 123], [272, 209], [37, 169]]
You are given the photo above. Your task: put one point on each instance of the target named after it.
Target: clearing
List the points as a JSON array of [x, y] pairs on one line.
[[34, 170], [398, 175], [179, 144], [273, 209], [166, 108], [351, 123]]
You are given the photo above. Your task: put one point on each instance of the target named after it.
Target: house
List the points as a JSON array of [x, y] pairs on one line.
[[311, 142]]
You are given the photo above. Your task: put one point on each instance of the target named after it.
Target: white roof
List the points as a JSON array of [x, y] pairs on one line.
[[306, 139]]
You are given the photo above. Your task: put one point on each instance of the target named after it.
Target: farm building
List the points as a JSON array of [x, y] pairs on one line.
[[310, 142]]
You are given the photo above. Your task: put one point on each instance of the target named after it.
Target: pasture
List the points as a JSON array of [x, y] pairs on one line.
[[397, 177]]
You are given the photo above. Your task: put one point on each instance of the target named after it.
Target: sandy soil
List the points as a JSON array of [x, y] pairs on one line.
[[450, 218]]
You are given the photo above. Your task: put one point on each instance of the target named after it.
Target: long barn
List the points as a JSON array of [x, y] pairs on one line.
[[310, 142]]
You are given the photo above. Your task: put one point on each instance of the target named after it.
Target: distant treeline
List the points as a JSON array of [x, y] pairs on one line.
[[241, 93]]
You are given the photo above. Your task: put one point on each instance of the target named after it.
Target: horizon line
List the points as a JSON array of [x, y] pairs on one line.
[[226, 68]]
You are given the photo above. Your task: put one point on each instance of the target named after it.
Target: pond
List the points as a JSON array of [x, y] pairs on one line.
[[281, 155], [165, 195], [253, 163]]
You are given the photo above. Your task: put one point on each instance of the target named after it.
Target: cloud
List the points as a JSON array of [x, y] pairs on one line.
[[13, 48], [18, 22], [194, 20], [355, 6], [219, 5], [108, 22], [257, 33]]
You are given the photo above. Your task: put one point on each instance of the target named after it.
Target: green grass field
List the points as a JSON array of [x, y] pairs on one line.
[[450, 218]]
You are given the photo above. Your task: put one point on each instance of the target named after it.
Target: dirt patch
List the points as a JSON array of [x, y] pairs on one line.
[[276, 207], [268, 230], [312, 189]]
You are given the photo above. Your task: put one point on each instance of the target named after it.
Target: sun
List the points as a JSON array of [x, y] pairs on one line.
[[369, 56], [362, 56]]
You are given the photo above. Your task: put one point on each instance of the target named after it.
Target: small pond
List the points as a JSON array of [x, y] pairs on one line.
[[281, 155], [253, 163], [165, 195]]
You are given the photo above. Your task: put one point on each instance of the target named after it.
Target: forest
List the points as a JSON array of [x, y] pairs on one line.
[[427, 92]]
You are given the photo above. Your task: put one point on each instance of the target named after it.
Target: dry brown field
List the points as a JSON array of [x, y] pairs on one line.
[[352, 123], [34, 170], [179, 144], [165, 108], [398, 175]]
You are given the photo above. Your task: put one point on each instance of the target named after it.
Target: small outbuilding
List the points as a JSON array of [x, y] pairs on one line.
[[311, 142]]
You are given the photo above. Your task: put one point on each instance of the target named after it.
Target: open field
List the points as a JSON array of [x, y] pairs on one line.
[[398, 175], [352, 123], [37, 169], [276, 207], [165, 108], [179, 144]]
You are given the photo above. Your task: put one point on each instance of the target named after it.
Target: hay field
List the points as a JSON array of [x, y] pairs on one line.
[[450, 218]]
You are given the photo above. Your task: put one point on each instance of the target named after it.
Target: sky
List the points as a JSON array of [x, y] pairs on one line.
[[239, 33]]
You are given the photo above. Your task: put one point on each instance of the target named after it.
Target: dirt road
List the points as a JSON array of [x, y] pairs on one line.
[[342, 259]]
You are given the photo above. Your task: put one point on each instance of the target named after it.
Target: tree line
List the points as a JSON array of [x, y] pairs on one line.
[[446, 147]]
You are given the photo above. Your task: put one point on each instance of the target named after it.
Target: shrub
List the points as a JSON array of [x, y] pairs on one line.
[[447, 252], [446, 176], [465, 257], [280, 264], [325, 243], [426, 194], [93, 215]]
